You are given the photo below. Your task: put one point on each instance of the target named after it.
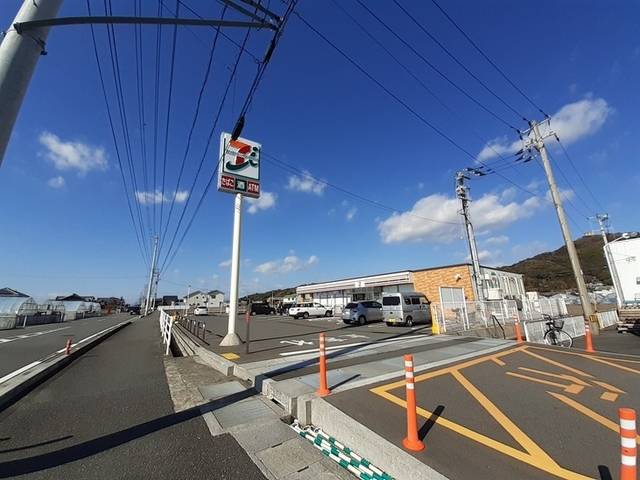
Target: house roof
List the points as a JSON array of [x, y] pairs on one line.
[[194, 293], [74, 297], [10, 292], [215, 292]]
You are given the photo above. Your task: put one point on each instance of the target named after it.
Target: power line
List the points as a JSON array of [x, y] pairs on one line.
[[455, 59], [196, 114], [486, 57], [375, 203], [586, 186], [204, 156], [436, 69], [115, 139], [400, 101], [115, 64], [568, 183], [169, 99]]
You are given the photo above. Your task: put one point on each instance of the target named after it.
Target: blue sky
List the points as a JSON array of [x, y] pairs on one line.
[[65, 223]]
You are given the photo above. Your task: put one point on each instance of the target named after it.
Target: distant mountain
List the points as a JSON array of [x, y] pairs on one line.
[[551, 272], [266, 296]]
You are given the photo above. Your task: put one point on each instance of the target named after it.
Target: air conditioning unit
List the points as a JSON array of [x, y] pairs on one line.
[[495, 294]]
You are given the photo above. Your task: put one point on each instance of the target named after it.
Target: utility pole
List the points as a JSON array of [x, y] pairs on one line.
[[151, 275], [462, 192], [19, 54], [603, 221], [231, 338], [537, 142]]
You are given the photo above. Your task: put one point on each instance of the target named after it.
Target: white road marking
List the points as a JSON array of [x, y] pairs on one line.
[[298, 343], [369, 345], [30, 335], [9, 376], [19, 371], [334, 339]]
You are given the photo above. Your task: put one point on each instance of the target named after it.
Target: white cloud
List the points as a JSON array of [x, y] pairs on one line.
[[565, 194], [351, 213], [497, 240], [508, 193], [56, 182], [73, 155], [487, 213], [306, 183], [225, 264], [571, 123], [150, 198], [535, 184], [290, 263], [265, 201]]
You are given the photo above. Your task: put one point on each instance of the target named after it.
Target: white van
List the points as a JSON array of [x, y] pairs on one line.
[[406, 308]]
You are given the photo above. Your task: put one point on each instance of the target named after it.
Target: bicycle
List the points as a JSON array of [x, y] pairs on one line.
[[554, 335]]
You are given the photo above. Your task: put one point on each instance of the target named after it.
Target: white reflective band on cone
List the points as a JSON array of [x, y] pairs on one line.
[[407, 363], [409, 386], [628, 461], [628, 442], [627, 424], [408, 374]]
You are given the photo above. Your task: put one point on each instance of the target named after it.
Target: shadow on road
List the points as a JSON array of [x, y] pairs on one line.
[[88, 448], [34, 445], [431, 421], [605, 473]]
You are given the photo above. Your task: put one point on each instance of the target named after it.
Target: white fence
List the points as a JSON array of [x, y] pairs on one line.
[[453, 317], [166, 327], [533, 310], [534, 330]]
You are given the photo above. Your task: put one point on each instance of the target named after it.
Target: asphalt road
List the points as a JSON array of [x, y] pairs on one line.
[[612, 341], [526, 412], [274, 336], [110, 415], [19, 347]]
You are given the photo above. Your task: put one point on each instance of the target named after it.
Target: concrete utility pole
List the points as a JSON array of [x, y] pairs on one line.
[[232, 338], [19, 54], [538, 143], [462, 192], [603, 221], [151, 275]]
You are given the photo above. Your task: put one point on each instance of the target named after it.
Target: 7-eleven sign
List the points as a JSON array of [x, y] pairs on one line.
[[239, 169]]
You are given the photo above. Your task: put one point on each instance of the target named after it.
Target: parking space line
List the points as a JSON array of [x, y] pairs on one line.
[[533, 455], [608, 386], [604, 421], [611, 364], [570, 388], [571, 378], [557, 364], [499, 362]]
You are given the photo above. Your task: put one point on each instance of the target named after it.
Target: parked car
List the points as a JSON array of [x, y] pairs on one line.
[[261, 308], [201, 311], [406, 308], [134, 310], [362, 312], [306, 310]]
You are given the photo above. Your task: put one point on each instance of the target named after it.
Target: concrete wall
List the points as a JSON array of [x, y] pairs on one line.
[[430, 281]]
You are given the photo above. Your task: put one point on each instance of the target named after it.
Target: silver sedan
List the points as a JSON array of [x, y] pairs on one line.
[[362, 312]]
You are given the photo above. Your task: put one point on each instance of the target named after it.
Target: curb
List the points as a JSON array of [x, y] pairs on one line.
[[15, 388]]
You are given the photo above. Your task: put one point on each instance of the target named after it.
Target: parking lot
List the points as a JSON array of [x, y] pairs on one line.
[[524, 412], [277, 336]]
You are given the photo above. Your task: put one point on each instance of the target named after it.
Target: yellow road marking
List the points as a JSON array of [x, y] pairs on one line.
[[608, 386], [558, 364], [621, 367], [563, 376], [585, 355], [604, 421], [609, 396], [498, 361], [539, 459], [230, 356], [437, 373], [571, 388]]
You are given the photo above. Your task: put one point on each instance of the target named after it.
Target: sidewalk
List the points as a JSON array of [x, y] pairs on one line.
[[110, 415]]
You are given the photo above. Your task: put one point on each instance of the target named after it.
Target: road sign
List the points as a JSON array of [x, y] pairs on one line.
[[239, 169]]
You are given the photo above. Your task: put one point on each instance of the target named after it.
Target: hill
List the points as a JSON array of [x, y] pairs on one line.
[[550, 272], [265, 296]]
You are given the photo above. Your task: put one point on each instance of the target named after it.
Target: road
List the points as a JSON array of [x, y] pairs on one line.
[[110, 415], [274, 336], [19, 347], [523, 412]]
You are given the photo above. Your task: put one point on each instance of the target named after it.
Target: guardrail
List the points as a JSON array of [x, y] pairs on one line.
[[166, 327]]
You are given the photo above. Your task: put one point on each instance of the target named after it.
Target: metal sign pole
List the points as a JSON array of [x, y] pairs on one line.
[[232, 338]]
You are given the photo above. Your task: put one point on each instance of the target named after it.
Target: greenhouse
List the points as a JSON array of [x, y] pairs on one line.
[[15, 310]]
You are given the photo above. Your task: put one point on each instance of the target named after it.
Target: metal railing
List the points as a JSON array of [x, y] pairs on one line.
[[195, 327], [453, 317], [166, 327]]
